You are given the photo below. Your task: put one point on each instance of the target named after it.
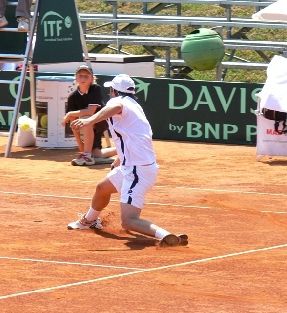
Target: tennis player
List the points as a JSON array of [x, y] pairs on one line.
[[134, 171]]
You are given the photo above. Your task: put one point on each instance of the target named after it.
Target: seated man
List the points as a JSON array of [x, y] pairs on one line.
[[84, 102]]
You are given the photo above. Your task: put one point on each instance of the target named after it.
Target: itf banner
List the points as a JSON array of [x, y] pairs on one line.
[[269, 142], [58, 33]]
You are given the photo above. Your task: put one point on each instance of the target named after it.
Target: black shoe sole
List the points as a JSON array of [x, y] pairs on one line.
[[183, 239], [169, 241]]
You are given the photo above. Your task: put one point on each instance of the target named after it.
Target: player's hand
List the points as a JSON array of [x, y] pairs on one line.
[[79, 123], [116, 163]]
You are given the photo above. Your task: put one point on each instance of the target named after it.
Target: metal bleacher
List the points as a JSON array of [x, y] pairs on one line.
[[122, 31]]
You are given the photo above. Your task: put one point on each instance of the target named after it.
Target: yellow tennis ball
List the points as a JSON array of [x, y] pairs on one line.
[[25, 127], [44, 121]]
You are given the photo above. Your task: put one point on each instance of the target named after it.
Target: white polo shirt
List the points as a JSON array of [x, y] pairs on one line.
[[131, 133]]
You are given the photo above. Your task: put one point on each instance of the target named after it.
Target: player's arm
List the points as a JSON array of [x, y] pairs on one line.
[[103, 114], [71, 116]]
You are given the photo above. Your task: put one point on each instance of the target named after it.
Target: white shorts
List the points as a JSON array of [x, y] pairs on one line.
[[133, 182]]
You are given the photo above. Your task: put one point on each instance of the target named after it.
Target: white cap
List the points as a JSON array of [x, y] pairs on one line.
[[122, 83], [84, 68]]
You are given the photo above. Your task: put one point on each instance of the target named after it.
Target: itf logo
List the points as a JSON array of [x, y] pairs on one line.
[[56, 27]]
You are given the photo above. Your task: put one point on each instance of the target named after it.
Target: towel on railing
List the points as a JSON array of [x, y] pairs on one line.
[[273, 96], [276, 12]]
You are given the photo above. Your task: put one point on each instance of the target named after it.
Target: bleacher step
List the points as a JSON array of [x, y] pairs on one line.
[[6, 56], [6, 108], [11, 30], [16, 82]]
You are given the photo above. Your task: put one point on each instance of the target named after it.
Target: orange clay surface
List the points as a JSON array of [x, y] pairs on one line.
[[233, 208]]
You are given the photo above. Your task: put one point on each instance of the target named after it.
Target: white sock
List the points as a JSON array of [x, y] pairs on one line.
[[161, 233], [92, 214]]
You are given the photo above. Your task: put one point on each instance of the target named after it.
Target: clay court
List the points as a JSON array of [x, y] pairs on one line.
[[232, 207]]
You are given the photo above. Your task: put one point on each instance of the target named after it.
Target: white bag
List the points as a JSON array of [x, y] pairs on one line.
[[26, 134]]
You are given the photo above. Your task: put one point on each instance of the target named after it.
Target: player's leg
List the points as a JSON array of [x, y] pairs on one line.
[[102, 195], [100, 200], [136, 182], [131, 220], [130, 216]]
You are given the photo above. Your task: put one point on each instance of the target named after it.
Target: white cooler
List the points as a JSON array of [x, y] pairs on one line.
[[51, 101]]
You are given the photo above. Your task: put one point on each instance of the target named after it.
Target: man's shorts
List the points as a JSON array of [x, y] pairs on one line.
[[133, 182]]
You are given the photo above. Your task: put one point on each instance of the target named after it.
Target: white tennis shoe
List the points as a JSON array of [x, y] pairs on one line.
[[83, 223]]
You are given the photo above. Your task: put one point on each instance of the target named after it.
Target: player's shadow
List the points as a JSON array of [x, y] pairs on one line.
[[274, 162], [36, 153], [277, 162], [137, 242]]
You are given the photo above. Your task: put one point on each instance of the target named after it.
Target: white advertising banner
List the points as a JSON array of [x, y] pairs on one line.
[[269, 142], [51, 99]]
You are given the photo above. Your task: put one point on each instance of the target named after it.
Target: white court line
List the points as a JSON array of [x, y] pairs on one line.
[[84, 282], [43, 195], [89, 198], [225, 190], [170, 186], [148, 203], [69, 263]]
